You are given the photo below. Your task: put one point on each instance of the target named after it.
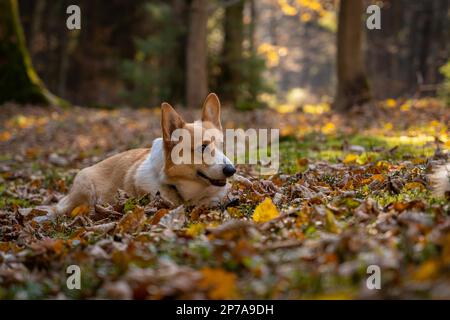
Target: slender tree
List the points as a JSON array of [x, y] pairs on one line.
[[232, 58], [352, 87], [18, 79], [196, 55]]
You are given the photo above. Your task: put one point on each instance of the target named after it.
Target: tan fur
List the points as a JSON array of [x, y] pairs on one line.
[[91, 187], [142, 171]]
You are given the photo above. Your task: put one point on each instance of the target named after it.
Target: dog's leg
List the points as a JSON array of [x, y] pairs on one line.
[[81, 193]]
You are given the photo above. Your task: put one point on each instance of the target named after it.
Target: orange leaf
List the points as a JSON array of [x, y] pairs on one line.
[[158, 215], [132, 221], [426, 270], [220, 284], [80, 211]]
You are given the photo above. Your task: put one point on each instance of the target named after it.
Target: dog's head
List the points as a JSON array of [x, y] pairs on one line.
[[193, 151]]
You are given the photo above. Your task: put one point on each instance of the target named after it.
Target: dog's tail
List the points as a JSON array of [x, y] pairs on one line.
[[440, 180]]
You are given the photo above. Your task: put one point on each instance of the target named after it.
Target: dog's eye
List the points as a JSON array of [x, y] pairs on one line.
[[204, 146]]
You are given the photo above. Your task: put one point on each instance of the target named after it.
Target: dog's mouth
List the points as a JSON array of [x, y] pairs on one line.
[[214, 182]]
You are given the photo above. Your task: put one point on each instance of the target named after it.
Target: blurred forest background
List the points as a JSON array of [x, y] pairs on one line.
[[252, 53]]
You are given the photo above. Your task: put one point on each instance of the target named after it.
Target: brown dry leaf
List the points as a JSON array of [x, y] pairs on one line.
[[230, 230], [415, 204], [446, 250], [220, 284], [158, 215], [400, 206], [104, 227], [132, 221], [48, 244], [30, 213]]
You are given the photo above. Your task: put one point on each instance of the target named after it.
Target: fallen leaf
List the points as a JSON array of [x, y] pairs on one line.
[[158, 215], [132, 221], [265, 211], [414, 185], [426, 270], [80, 211], [350, 158], [195, 229], [220, 284], [330, 222]]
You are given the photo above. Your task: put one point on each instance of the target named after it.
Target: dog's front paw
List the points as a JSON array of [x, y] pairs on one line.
[[209, 202]]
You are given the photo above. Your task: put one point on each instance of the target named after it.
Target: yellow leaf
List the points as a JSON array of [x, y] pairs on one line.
[[328, 128], [287, 8], [350, 158], [391, 103], [330, 223], [388, 126], [305, 17], [405, 107], [426, 270], [220, 284], [383, 164], [195, 229], [285, 108], [80, 210], [414, 185], [435, 123], [265, 211], [447, 144]]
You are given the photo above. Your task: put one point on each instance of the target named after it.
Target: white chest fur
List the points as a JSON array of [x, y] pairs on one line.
[[150, 177]]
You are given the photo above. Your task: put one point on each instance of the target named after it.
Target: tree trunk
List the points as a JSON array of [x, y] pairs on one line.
[[178, 62], [18, 80], [352, 87], [252, 26], [232, 51], [196, 55], [36, 24]]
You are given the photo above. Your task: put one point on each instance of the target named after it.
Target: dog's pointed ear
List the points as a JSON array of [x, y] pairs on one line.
[[211, 110], [170, 121]]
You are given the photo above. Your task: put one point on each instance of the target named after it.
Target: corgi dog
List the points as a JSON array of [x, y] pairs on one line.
[[153, 171]]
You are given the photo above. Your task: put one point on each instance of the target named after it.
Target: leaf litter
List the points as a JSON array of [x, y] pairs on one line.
[[342, 201]]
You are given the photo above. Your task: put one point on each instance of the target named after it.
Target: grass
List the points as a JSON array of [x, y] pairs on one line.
[[316, 146]]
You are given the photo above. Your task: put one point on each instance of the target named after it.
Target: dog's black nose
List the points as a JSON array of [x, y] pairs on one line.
[[229, 170]]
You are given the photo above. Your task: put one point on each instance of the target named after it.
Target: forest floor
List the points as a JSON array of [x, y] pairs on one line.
[[352, 191]]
